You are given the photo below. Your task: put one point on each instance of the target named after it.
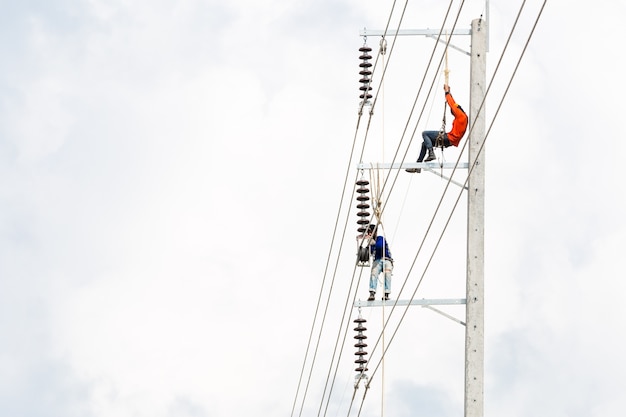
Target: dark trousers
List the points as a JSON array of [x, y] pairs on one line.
[[428, 137]]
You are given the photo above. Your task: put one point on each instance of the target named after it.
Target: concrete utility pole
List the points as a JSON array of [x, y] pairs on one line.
[[475, 308]]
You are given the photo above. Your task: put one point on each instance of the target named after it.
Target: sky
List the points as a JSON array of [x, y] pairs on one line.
[[171, 174]]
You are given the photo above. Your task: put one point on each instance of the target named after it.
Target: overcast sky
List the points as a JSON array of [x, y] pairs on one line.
[[170, 178]]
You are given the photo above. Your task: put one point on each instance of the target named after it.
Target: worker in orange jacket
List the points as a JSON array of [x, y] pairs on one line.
[[453, 137]]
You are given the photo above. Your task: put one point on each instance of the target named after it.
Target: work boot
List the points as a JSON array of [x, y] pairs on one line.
[[372, 294], [414, 170], [431, 155], [386, 297]]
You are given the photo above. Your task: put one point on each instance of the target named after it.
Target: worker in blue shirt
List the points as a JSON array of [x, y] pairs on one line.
[[383, 263]]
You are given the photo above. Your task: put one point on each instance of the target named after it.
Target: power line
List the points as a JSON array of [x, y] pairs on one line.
[[354, 271], [326, 270], [472, 167]]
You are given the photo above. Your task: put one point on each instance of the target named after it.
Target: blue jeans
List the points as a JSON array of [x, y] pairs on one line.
[[378, 266], [429, 137]]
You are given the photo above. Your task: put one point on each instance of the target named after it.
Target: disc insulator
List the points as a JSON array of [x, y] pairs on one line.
[[360, 360]]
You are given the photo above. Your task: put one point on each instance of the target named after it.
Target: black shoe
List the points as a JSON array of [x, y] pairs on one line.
[[414, 170], [431, 155], [386, 297], [371, 297]]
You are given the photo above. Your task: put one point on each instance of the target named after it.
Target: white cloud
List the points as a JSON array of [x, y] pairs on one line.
[[171, 179]]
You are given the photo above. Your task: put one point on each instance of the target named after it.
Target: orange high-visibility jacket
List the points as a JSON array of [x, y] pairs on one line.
[[459, 124]]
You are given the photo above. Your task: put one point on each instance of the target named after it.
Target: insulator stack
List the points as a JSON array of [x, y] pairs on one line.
[[363, 198], [365, 72], [360, 337]]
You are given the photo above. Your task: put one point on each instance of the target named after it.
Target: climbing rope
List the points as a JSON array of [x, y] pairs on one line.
[[446, 70], [439, 142]]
